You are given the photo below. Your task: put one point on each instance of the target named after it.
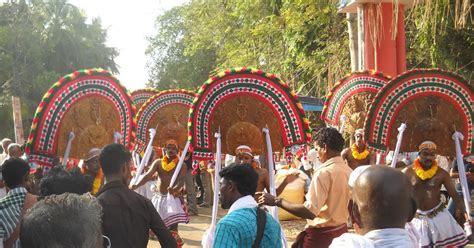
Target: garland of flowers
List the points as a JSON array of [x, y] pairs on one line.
[[167, 165], [359, 155], [97, 180], [425, 174]]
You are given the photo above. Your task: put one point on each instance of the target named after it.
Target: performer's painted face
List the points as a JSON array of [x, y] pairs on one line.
[[359, 138], [171, 150], [427, 156], [93, 165], [245, 158]]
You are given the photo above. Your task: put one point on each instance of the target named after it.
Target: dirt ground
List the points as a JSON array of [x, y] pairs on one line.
[[193, 231]]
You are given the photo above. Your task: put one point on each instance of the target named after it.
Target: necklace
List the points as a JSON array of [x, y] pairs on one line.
[[425, 174], [359, 155], [167, 165]]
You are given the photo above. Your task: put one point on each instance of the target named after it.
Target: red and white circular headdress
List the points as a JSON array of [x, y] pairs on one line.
[[432, 103], [90, 103]]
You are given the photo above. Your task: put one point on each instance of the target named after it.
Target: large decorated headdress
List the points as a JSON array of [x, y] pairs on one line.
[[91, 103], [433, 103], [351, 96], [139, 97], [168, 112], [240, 102]]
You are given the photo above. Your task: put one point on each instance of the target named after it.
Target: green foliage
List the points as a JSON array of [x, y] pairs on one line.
[[169, 66], [437, 41], [39, 42], [305, 42]]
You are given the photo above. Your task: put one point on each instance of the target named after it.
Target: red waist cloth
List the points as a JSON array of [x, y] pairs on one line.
[[319, 237]]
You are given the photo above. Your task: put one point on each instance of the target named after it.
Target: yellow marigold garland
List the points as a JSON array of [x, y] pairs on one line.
[[167, 165], [425, 174], [359, 155]]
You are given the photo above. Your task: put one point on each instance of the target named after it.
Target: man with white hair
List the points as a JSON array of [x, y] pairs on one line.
[[5, 143], [14, 151], [358, 154]]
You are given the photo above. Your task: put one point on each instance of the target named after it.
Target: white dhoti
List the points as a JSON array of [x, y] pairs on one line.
[[438, 228], [162, 204], [146, 189]]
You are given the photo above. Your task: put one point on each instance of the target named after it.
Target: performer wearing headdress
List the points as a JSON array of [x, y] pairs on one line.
[[245, 156], [358, 154], [165, 168], [432, 220], [91, 167]]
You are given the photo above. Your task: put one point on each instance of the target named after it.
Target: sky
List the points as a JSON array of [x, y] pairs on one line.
[[128, 23]]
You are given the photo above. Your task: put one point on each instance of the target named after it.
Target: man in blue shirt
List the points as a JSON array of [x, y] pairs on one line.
[[239, 227]]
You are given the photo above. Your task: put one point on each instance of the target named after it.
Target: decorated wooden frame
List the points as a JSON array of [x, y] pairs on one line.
[[351, 96], [140, 96], [167, 112], [240, 102], [93, 104], [433, 103]]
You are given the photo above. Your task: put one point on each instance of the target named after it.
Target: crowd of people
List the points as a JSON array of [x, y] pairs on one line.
[[99, 205]]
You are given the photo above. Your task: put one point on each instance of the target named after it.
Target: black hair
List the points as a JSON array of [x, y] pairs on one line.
[[244, 177], [14, 172], [113, 157], [59, 181], [331, 137]]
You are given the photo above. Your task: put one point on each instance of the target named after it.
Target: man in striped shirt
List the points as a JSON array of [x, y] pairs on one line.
[[15, 174]]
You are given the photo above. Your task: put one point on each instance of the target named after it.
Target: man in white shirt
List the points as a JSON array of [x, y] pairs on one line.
[[381, 206], [5, 143]]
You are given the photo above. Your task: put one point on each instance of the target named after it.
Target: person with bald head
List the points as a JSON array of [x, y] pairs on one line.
[[381, 205], [358, 154], [436, 225]]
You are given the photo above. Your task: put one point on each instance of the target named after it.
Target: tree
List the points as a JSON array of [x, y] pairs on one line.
[[39, 42], [169, 65], [305, 42]]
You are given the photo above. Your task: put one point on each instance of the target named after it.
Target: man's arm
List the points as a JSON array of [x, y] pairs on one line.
[[452, 192], [266, 179], [454, 173], [294, 208], [178, 187], [288, 179], [148, 176], [158, 227], [315, 198]]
